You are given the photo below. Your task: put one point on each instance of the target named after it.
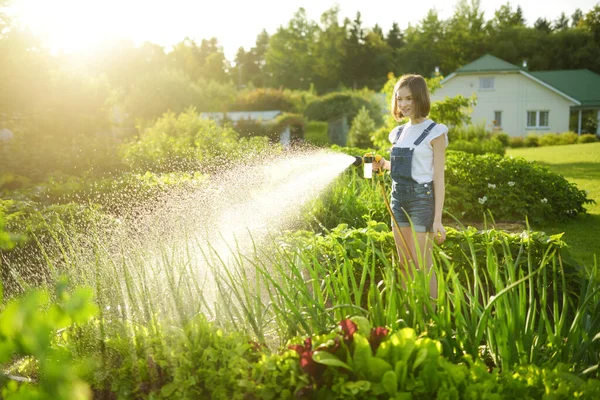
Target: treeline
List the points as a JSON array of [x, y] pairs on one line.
[[331, 55]]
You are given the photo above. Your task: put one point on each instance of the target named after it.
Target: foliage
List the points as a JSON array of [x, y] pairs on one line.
[[453, 111], [171, 90], [492, 146], [361, 129], [335, 105], [316, 133], [588, 138], [29, 327], [511, 188], [263, 99], [358, 361], [179, 143]]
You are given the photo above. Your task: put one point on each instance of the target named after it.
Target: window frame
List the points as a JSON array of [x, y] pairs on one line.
[[538, 118], [490, 79], [498, 121]]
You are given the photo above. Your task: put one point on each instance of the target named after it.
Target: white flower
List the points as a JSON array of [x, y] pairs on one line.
[[511, 183], [544, 200], [482, 199], [491, 186]]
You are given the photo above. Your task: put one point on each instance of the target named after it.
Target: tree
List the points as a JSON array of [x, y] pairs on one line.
[[395, 38], [289, 55], [464, 40], [562, 23], [361, 130], [354, 60], [504, 18], [576, 18], [543, 25], [329, 52], [592, 22]]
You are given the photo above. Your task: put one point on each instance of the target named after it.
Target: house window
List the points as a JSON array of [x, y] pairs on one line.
[[486, 83], [538, 119], [497, 119]]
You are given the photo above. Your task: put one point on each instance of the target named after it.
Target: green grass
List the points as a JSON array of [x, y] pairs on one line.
[[580, 164]]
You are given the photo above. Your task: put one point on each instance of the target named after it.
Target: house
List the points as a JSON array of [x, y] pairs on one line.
[[289, 129], [519, 101]]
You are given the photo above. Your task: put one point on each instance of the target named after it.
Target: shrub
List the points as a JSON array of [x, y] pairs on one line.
[[588, 138], [471, 132], [511, 188], [549, 139], [361, 130], [263, 99], [516, 142], [334, 105], [179, 143], [249, 127], [478, 146], [568, 138], [503, 137], [532, 140], [316, 133]]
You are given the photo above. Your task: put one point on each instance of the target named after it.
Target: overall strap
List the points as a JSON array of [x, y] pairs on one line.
[[398, 133], [424, 134]]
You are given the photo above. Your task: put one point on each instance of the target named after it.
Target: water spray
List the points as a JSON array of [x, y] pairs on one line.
[[367, 162]]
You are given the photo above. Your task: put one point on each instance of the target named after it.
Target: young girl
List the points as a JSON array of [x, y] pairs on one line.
[[417, 171]]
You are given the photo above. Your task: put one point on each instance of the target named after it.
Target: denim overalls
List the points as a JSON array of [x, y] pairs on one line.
[[411, 201]]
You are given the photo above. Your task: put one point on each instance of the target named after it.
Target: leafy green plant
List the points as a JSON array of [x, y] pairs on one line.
[[357, 361], [28, 328]]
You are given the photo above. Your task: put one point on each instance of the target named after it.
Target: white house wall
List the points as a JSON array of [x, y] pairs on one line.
[[513, 94]]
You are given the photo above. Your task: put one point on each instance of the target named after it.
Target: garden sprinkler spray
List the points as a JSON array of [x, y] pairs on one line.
[[367, 162]]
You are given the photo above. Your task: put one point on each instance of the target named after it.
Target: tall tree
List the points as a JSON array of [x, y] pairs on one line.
[[329, 51], [354, 61], [395, 37], [289, 58], [543, 25], [561, 23], [465, 37], [592, 22], [505, 18], [576, 18]]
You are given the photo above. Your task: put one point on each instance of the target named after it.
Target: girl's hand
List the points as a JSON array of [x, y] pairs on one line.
[[439, 232], [379, 164]]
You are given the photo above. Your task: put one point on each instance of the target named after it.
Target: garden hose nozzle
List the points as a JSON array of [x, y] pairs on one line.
[[367, 162]]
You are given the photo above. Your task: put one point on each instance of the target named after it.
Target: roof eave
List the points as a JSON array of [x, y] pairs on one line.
[[552, 88]]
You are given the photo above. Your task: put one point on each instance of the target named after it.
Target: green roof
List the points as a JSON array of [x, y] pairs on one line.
[[581, 84], [488, 63]]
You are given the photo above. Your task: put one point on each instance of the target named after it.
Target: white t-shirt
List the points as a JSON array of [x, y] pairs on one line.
[[422, 163]]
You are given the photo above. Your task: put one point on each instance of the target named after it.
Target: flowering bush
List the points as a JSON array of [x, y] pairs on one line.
[[511, 188]]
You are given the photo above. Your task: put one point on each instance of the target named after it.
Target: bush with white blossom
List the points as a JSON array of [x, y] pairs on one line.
[[511, 188]]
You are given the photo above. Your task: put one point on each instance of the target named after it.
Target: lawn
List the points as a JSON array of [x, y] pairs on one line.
[[580, 164]]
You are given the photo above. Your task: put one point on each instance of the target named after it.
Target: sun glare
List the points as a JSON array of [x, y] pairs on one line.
[[76, 25]]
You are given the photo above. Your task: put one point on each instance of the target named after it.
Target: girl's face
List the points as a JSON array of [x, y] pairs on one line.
[[404, 100]]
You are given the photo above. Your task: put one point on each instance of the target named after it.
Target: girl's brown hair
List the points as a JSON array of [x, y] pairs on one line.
[[420, 94]]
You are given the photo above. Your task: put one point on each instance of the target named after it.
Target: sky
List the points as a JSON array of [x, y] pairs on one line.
[[72, 25]]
